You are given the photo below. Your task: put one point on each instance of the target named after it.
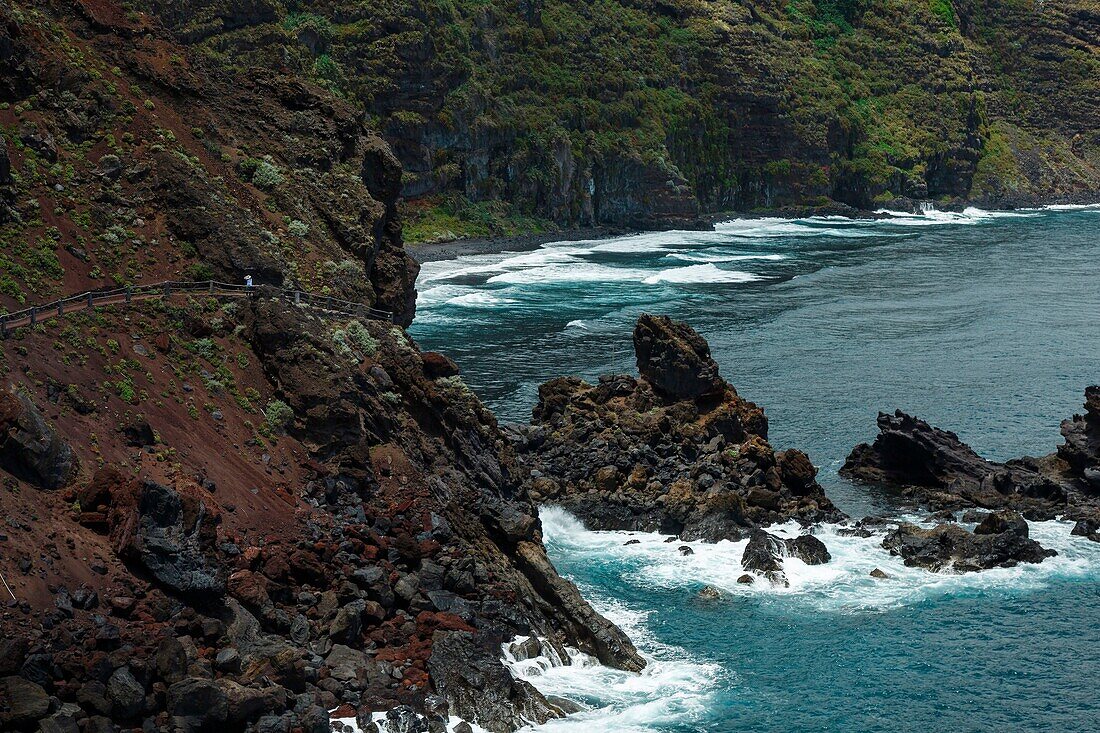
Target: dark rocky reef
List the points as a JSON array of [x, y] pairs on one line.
[[935, 468], [676, 451], [1000, 540]]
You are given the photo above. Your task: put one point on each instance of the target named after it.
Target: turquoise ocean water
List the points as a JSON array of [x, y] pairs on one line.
[[985, 323]]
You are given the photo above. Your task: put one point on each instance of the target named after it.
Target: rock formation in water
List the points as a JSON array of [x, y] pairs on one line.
[[675, 450], [1000, 540], [937, 469], [765, 552]]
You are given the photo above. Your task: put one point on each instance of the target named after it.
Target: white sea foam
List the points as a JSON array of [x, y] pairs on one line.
[[1067, 207], [670, 689], [843, 584], [934, 217], [707, 257], [579, 271], [708, 273], [473, 265], [774, 228], [479, 299], [380, 720]]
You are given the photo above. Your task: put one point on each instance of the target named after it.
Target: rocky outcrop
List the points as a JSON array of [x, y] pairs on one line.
[[934, 467], [675, 360], [1001, 540], [29, 447], [676, 450], [168, 533]]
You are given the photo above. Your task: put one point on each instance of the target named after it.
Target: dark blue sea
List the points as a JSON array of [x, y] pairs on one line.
[[985, 323]]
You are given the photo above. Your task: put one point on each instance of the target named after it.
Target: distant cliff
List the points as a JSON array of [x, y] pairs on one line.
[[653, 113]]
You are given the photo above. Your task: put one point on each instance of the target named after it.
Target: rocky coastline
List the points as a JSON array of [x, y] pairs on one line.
[[934, 468]]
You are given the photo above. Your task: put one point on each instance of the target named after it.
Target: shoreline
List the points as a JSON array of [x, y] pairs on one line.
[[437, 251]]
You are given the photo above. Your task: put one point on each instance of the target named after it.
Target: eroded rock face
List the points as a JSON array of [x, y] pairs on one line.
[[462, 663], [169, 533], [676, 451], [1000, 541], [936, 468], [30, 448]]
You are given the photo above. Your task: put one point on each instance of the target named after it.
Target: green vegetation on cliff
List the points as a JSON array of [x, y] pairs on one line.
[[643, 111]]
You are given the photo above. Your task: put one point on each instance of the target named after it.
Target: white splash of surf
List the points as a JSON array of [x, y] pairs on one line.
[[708, 273]]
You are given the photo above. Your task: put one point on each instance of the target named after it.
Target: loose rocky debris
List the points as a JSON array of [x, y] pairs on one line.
[[675, 451]]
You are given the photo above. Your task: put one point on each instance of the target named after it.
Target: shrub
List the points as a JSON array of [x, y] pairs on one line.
[[361, 338], [278, 415], [298, 228]]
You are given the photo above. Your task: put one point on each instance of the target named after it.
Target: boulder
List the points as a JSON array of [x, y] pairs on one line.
[[22, 702], [438, 365], [1002, 521], [126, 694], [201, 700], [345, 663], [675, 359], [1087, 527], [170, 533], [30, 449], [949, 546]]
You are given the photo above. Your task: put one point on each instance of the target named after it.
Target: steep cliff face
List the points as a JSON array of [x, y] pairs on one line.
[[237, 514], [639, 113], [132, 160]]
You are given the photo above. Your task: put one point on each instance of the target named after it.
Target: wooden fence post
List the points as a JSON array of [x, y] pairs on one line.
[[3, 328], [128, 294], [211, 286], [34, 314], [60, 307], [167, 289], [91, 301]]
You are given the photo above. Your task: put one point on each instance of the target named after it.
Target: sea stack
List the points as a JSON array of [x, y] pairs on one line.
[[674, 450]]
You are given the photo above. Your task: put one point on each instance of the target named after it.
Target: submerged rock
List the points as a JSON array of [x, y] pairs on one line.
[[709, 593], [675, 450], [876, 573]]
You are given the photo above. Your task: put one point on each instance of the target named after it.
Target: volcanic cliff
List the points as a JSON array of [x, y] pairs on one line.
[[237, 513], [641, 113]]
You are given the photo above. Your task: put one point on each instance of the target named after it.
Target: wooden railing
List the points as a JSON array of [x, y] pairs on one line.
[[94, 298]]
